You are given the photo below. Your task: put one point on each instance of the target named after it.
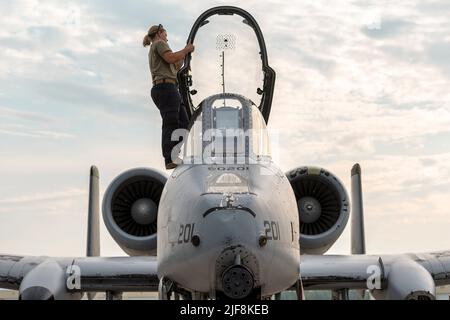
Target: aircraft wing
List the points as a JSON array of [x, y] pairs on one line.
[[391, 276], [13, 269], [64, 277], [118, 273]]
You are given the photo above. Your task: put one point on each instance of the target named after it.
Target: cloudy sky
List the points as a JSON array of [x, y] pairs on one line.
[[357, 81]]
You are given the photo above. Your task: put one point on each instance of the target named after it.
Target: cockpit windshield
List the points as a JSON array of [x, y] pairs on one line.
[[228, 129]]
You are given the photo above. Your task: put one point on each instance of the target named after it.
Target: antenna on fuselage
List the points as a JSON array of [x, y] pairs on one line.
[[224, 42], [223, 75]]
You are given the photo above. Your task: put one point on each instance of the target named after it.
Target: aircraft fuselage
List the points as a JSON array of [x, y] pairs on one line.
[[205, 231]]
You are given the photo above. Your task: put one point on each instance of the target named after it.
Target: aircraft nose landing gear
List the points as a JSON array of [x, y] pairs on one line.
[[165, 288]]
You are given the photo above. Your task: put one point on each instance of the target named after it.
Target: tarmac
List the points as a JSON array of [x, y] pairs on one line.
[[442, 293]]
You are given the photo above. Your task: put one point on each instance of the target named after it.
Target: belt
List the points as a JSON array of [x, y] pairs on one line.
[[165, 80]]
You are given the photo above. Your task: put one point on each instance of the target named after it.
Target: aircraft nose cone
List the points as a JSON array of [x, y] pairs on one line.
[[144, 211]]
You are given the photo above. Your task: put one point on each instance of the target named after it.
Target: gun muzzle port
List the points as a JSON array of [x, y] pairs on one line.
[[237, 282]]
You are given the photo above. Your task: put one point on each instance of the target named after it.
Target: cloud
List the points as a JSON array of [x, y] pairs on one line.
[[438, 53], [388, 28], [434, 7], [362, 81], [58, 195], [15, 114], [36, 134]]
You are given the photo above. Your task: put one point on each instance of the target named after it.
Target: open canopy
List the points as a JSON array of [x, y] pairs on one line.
[[230, 56]]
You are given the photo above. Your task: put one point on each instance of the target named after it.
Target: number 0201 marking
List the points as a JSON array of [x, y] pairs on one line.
[[272, 229]]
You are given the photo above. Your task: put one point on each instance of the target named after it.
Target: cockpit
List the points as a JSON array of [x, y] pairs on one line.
[[227, 129]]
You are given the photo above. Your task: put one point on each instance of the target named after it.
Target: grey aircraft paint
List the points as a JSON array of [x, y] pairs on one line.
[[228, 207]]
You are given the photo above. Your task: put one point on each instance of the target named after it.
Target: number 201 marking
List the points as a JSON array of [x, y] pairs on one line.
[[272, 229], [186, 233]]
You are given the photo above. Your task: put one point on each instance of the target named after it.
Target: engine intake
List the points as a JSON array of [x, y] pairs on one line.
[[130, 209], [323, 207]]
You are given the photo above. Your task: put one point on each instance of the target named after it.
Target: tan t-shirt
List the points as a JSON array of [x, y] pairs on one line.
[[159, 68]]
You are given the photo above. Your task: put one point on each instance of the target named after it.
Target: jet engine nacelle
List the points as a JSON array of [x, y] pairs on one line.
[[130, 209], [323, 208], [47, 281], [407, 280]]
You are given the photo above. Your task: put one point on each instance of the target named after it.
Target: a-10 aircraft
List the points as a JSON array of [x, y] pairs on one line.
[[227, 223]]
